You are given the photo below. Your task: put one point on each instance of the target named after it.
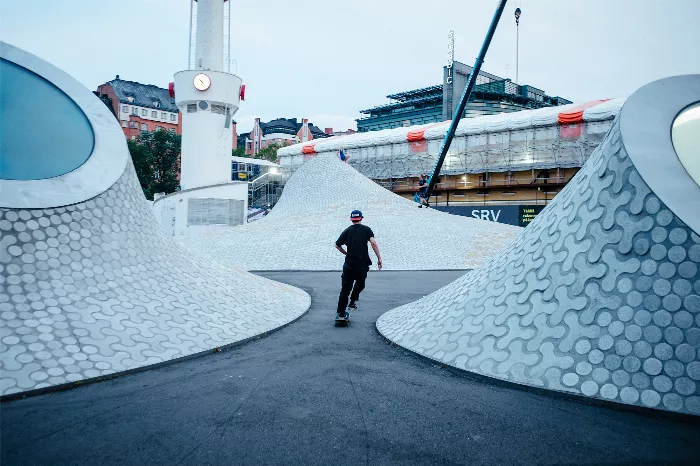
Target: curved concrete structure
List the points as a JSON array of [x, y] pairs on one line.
[[90, 285], [300, 232], [600, 295]]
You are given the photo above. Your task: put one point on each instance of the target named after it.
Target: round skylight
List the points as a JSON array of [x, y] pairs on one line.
[[44, 133], [686, 140]]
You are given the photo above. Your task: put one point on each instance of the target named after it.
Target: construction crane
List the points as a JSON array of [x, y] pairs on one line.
[[464, 99]]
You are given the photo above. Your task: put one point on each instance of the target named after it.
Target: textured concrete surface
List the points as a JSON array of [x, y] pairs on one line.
[[95, 287], [300, 231], [316, 394], [599, 296]]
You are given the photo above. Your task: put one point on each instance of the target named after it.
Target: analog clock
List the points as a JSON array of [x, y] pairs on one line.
[[202, 82]]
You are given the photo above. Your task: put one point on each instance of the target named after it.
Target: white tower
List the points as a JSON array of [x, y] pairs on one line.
[[207, 98], [208, 95]]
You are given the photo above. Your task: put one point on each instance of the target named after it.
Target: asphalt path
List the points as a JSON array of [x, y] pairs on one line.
[[313, 393]]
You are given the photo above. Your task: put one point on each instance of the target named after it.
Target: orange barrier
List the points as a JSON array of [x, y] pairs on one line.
[[309, 148], [419, 134], [575, 115]]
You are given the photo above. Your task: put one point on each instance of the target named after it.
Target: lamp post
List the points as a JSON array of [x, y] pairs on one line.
[[518, 12]]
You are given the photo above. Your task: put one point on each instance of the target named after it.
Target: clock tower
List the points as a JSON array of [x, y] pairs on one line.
[[208, 96]]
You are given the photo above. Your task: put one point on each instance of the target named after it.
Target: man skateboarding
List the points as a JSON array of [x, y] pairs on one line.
[[357, 262]]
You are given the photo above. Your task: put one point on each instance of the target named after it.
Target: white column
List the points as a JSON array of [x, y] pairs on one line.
[[209, 51], [206, 139]]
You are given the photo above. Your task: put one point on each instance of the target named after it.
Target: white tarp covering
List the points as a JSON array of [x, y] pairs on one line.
[[517, 141]]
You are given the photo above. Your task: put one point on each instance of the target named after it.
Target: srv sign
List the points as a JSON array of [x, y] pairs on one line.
[[486, 214]]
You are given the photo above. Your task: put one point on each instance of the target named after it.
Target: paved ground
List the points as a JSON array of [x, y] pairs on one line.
[[316, 394]]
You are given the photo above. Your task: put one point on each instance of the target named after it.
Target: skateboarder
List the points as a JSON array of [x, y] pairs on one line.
[[357, 262]]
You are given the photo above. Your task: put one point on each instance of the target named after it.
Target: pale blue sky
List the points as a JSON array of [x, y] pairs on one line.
[[326, 60]]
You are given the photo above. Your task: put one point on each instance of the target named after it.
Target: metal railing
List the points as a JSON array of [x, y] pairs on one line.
[[403, 186]]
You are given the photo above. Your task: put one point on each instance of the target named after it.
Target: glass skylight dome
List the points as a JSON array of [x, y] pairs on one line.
[[43, 132]]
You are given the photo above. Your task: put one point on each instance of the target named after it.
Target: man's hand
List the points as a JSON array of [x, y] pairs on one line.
[[341, 249], [379, 264]]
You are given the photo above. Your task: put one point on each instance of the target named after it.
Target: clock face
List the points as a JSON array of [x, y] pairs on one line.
[[202, 82]]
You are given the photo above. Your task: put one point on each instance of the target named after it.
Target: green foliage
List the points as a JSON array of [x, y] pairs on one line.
[[156, 158], [239, 152], [269, 152]]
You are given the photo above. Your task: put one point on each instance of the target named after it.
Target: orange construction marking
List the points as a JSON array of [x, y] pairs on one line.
[[575, 115]]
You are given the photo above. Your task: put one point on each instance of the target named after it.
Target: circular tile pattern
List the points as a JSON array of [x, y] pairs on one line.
[[77, 275], [616, 310]]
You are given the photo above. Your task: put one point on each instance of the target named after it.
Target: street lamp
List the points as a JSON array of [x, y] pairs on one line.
[[518, 12]]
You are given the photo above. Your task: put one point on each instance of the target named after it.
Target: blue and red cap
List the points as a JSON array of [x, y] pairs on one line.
[[355, 216]]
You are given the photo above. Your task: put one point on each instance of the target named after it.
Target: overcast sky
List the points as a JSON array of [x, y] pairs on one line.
[[326, 60]]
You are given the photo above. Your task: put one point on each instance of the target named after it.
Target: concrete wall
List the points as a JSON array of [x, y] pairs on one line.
[[171, 211]]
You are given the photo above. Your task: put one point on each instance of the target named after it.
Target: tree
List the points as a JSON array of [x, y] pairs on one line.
[[156, 158], [269, 152], [239, 152]]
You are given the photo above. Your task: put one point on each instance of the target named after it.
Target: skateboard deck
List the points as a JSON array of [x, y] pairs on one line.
[[340, 322]]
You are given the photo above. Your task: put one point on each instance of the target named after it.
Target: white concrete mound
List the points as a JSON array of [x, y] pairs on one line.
[[600, 295], [90, 286], [300, 232]]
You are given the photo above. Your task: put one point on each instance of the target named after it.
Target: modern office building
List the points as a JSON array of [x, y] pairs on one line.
[[492, 94]]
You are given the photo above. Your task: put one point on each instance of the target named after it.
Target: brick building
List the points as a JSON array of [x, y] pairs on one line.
[[280, 131]]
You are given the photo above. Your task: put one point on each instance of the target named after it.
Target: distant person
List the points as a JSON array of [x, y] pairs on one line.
[[422, 190], [342, 155], [357, 262]]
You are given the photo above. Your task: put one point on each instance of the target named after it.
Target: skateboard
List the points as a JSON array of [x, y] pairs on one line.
[[342, 322]]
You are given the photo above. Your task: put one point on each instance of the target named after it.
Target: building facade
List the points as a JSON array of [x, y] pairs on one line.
[[280, 131], [141, 107], [492, 94]]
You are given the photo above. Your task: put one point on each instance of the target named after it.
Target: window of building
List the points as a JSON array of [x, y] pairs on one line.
[[159, 128], [484, 178], [172, 117], [218, 109], [144, 112], [162, 115], [124, 124], [134, 111], [191, 108], [172, 130], [144, 127], [133, 124], [154, 114], [125, 109]]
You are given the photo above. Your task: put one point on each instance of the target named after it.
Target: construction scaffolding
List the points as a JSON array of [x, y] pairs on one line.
[[514, 145]]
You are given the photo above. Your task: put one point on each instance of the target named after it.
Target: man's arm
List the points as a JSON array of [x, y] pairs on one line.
[[340, 242], [375, 247]]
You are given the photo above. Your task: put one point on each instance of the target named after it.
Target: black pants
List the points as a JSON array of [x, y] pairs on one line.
[[351, 276]]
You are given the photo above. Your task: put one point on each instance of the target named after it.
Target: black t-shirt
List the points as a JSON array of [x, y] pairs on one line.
[[356, 237], [423, 186]]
